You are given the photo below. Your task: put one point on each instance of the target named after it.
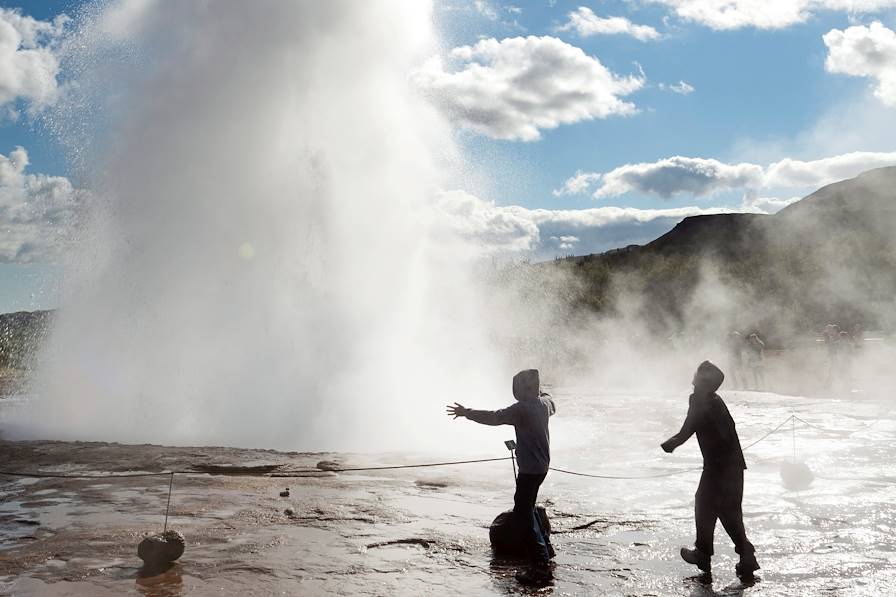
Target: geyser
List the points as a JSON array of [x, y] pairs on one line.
[[262, 266]]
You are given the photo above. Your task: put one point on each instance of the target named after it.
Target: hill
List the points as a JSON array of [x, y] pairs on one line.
[[830, 257]]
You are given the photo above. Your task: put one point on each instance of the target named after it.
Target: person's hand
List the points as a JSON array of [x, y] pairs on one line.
[[667, 446], [456, 411]]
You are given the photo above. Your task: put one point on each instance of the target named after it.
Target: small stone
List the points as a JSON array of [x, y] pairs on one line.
[[159, 550], [289, 512], [285, 492]]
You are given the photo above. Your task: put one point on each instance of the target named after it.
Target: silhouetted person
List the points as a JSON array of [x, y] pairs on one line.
[[831, 344], [721, 488], [845, 349], [858, 336], [529, 417], [734, 346], [755, 356]]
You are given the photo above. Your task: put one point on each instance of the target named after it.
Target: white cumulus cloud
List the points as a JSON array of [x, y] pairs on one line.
[[765, 14], [681, 88], [815, 173], [702, 177], [677, 175], [516, 87], [584, 22], [497, 229], [512, 230], [38, 213], [865, 51], [28, 66], [566, 242], [577, 184]]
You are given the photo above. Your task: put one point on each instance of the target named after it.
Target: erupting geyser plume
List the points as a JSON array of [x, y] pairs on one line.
[[260, 268]]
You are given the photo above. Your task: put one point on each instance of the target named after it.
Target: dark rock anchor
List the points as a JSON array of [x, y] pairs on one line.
[[160, 550], [510, 538]]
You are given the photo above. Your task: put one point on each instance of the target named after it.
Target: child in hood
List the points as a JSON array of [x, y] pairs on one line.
[[529, 417], [721, 488]]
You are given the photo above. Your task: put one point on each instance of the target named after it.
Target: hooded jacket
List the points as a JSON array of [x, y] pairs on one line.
[[529, 417], [709, 418]]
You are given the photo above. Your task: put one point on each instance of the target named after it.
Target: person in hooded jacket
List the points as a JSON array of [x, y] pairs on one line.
[[529, 417], [720, 492]]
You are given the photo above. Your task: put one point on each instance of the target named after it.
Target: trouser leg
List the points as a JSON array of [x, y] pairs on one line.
[[705, 514], [731, 512], [524, 509]]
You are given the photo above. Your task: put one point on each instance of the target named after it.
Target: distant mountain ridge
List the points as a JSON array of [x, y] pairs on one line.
[[830, 256]]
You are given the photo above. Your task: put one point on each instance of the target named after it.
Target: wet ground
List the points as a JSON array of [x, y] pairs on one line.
[[425, 531]]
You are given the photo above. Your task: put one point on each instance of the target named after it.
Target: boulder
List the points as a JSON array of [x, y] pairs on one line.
[[796, 475], [510, 539], [160, 550]]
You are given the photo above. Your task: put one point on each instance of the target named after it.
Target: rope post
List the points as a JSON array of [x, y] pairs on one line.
[[511, 445], [793, 435], [168, 507]]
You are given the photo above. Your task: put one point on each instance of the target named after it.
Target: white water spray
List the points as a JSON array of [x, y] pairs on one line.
[[261, 270]]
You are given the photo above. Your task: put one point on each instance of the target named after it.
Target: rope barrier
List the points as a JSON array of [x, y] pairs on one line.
[[620, 477], [764, 437], [93, 476], [297, 473], [306, 472], [669, 473], [840, 431], [427, 465]]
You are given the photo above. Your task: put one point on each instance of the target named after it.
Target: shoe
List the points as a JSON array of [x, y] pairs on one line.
[[747, 566], [697, 558], [537, 575]]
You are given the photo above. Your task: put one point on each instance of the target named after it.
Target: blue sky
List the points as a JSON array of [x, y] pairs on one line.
[[751, 86], [689, 106]]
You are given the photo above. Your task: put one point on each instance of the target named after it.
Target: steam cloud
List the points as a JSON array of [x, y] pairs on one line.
[[262, 266]]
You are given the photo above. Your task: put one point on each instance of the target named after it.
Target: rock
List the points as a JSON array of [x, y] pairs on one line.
[[159, 550], [328, 465], [509, 538], [285, 492], [289, 512], [796, 475]]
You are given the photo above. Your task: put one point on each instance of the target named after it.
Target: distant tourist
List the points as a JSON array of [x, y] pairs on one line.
[[831, 337], [720, 493], [845, 352], [529, 417], [755, 357], [734, 347], [858, 336]]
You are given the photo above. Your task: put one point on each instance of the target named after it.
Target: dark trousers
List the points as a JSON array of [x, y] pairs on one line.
[[524, 509], [719, 496]]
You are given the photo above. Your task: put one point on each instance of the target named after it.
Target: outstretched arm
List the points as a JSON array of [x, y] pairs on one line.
[[504, 416], [687, 430]]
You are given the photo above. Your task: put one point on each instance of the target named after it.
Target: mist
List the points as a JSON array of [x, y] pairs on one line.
[[266, 263], [261, 265], [641, 319]]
